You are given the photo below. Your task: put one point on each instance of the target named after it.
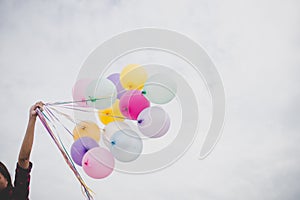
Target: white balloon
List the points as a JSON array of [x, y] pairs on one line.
[[111, 128], [103, 93]]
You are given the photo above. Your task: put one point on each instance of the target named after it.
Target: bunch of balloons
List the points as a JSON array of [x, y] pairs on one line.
[[120, 96]]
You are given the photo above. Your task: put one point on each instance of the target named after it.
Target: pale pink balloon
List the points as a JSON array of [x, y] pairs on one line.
[[132, 103], [79, 91], [98, 163]]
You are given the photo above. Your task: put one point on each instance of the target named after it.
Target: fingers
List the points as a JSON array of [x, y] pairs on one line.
[[39, 104]]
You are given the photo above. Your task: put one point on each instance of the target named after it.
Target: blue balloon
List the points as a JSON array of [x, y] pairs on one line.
[[126, 145]]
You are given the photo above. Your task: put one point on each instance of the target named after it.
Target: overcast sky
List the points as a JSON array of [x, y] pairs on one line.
[[255, 46]]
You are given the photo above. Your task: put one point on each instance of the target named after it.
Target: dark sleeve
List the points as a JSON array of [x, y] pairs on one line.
[[21, 184]]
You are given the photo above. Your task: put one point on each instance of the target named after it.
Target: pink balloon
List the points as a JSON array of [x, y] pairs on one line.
[[79, 91], [132, 103], [80, 147], [98, 163]]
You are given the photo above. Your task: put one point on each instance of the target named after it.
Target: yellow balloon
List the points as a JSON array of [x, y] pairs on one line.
[[105, 115], [86, 129], [133, 77], [111, 114]]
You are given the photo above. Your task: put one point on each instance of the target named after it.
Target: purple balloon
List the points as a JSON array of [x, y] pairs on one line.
[[80, 147], [115, 78]]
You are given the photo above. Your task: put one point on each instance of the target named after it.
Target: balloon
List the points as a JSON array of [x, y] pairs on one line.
[[126, 145], [111, 128], [102, 93], [133, 77], [132, 103], [98, 163], [86, 129], [105, 115], [160, 88], [111, 114], [115, 78], [79, 91], [153, 122], [80, 147]]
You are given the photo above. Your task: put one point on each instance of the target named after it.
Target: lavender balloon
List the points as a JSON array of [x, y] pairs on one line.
[[153, 122], [115, 78], [80, 147]]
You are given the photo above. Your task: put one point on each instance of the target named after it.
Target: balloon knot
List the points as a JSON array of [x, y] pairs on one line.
[[140, 121], [113, 142], [93, 99], [144, 92], [86, 163]]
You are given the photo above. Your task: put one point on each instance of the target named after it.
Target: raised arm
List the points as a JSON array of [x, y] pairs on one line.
[[26, 147]]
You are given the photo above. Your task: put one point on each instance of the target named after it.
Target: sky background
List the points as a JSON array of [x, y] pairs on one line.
[[255, 46]]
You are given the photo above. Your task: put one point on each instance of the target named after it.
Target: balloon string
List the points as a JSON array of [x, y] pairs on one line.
[[53, 117], [61, 143], [69, 157], [51, 114], [68, 117], [58, 121], [63, 151], [43, 118], [105, 137], [70, 107], [114, 116], [91, 99], [72, 167], [76, 109]]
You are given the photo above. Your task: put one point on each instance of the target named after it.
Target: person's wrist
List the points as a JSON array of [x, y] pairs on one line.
[[32, 118]]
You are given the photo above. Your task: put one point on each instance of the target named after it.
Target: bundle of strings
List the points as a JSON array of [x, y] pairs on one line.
[[50, 121], [51, 117]]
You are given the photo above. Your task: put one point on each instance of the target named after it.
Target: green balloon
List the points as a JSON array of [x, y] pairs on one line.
[[160, 88], [102, 94]]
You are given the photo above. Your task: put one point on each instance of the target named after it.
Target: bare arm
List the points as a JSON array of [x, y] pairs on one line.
[[26, 147]]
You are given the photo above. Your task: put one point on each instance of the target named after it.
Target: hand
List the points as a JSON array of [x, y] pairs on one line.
[[33, 108]]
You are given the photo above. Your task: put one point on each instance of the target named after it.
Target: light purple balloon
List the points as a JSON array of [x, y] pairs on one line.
[[115, 78], [153, 122], [80, 147]]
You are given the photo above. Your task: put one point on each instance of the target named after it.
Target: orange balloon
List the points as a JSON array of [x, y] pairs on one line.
[[86, 129]]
